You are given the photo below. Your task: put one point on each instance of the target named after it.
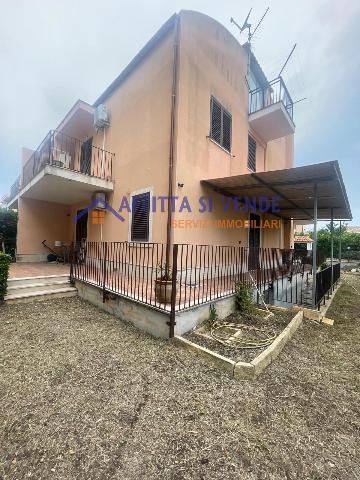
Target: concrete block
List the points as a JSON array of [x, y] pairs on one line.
[[213, 357], [261, 361], [244, 371]]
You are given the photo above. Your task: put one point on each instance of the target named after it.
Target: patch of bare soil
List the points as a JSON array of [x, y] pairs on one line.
[[265, 328], [86, 396]]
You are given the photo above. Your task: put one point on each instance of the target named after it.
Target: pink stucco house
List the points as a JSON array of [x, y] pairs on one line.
[[192, 115]]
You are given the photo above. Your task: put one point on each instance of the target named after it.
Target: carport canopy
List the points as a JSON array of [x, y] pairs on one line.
[[295, 190]]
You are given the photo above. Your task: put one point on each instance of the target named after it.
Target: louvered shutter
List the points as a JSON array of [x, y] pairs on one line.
[[140, 210], [226, 134], [220, 125], [215, 121], [252, 154]]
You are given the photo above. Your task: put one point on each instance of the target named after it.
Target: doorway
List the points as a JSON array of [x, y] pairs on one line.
[[254, 241], [85, 156], [81, 225]]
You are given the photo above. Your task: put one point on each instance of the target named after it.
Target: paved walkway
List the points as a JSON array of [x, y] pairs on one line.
[[21, 270]]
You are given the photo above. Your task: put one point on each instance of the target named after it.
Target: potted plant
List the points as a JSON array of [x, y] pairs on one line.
[[163, 284]]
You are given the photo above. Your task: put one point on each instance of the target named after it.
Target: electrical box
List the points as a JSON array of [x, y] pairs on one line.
[[101, 117]]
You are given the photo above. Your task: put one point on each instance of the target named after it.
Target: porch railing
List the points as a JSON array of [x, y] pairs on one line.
[[197, 273], [325, 281], [275, 92], [66, 152]]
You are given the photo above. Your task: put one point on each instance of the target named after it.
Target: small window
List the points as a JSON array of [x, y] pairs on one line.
[[140, 216], [220, 128], [252, 154]]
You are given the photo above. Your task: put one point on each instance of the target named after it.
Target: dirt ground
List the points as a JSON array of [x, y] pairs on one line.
[[86, 396]]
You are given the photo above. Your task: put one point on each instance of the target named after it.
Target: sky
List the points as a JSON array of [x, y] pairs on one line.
[[53, 53]]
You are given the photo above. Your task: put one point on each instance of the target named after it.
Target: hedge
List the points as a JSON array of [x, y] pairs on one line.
[[5, 261]]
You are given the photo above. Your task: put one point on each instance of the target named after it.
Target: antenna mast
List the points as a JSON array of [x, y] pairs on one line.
[[288, 58], [248, 25]]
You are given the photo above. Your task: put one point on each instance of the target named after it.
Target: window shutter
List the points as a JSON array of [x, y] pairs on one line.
[[220, 128], [226, 136], [140, 211], [252, 154], [215, 121]]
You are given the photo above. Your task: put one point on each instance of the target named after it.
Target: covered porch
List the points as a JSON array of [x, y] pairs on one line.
[[310, 193]]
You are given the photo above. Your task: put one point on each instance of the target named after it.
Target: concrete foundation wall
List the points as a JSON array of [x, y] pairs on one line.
[[149, 319]]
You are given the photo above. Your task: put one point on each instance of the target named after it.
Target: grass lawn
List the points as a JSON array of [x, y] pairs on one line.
[[86, 396]]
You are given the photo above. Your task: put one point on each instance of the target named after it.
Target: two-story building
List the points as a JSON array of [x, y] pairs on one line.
[[192, 116]]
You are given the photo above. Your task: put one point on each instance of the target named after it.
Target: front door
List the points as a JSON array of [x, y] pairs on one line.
[[254, 241], [85, 157]]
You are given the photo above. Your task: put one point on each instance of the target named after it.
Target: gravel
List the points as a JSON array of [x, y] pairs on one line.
[[86, 396]]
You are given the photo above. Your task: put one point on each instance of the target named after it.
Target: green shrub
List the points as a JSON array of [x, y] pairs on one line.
[[244, 297], [5, 261], [323, 266], [213, 316]]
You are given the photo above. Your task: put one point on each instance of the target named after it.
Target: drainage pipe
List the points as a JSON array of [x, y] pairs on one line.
[[172, 140]]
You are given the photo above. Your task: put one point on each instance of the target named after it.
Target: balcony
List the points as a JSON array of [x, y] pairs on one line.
[[271, 111], [66, 170], [11, 200]]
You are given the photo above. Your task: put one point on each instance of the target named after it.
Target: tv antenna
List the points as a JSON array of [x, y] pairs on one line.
[[247, 25], [286, 61]]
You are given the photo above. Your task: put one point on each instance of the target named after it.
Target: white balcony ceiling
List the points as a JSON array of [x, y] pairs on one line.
[[272, 122], [59, 185]]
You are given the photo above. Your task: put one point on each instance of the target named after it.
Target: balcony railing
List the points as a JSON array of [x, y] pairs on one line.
[[275, 92], [66, 152], [14, 190]]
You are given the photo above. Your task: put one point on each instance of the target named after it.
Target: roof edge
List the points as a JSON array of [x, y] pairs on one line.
[[139, 57]]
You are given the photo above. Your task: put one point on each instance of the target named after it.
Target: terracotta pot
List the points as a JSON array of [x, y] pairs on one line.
[[163, 289]]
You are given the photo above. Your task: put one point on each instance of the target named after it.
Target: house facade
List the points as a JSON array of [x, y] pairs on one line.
[[192, 106]]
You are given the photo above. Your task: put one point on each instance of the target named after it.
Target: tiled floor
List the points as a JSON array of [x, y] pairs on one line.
[[21, 270]]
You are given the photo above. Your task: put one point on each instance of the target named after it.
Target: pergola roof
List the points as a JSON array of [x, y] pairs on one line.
[[295, 189]]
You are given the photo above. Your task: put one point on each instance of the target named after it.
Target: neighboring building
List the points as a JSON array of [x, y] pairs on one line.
[[184, 119], [354, 229]]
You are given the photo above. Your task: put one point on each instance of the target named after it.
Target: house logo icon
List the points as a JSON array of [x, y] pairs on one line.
[[97, 209]]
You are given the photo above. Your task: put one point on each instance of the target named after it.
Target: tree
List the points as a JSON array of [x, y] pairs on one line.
[[348, 239], [8, 229]]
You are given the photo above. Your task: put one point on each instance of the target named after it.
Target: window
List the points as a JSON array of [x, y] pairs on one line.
[[140, 217], [252, 154], [220, 128]]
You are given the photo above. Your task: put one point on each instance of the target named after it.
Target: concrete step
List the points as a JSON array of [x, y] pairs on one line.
[[37, 295], [44, 280], [35, 287]]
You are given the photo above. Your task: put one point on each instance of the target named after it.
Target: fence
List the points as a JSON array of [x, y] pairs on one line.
[[63, 151], [325, 281], [196, 274]]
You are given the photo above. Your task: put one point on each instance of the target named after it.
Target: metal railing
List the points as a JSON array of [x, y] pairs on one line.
[[325, 281], [275, 92], [196, 274], [14, 190], [63, 151]]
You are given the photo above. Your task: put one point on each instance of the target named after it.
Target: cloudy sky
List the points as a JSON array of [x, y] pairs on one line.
[[52, 53]]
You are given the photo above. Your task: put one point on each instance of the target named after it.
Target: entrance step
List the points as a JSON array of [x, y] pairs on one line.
[[30, 289], [45, 279]]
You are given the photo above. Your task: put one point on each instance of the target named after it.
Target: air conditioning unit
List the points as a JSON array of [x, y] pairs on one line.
[[101, 117], [100, 199]]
